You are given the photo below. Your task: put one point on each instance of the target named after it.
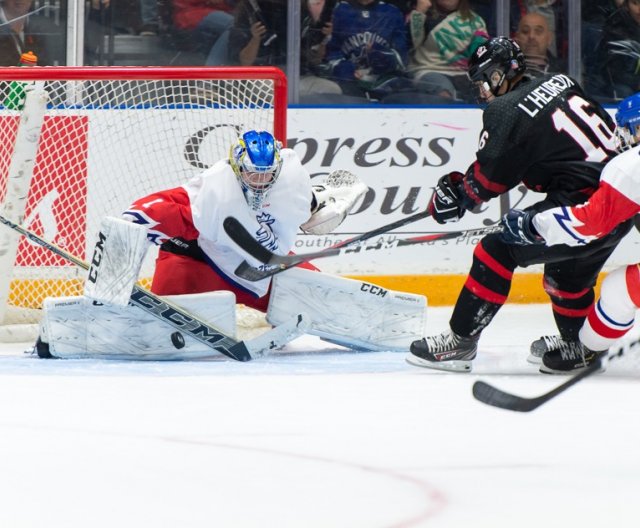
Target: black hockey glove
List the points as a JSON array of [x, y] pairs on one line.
[[518, 229], [444, 205]]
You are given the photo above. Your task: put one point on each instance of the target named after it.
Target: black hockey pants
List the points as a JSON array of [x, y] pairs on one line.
[[570, 273]]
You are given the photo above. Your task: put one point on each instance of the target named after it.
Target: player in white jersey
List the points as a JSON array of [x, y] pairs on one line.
[[268, 190], [616, 200], [196, 254]]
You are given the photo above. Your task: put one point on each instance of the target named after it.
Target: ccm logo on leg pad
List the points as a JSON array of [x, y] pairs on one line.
[[97, 257], [373, 289]]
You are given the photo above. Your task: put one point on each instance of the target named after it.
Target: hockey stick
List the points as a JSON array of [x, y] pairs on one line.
[[176, 316], [504, 400], [279, 263], [243, 238]]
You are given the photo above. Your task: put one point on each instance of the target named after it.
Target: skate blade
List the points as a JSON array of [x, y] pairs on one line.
[[547, 370], [448, 366], [534, 360]]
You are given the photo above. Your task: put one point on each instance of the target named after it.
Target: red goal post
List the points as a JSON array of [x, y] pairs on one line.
[[84, 142]]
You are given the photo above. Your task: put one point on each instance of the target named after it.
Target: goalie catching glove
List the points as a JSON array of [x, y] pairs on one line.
[[332, 201]]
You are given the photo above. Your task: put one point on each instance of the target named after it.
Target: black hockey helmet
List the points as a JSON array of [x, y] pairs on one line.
[[495, 61]]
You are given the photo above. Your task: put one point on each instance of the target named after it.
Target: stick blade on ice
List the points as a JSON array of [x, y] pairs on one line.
[[496, 398]]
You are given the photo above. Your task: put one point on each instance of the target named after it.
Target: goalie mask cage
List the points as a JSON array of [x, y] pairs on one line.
[[79, 143]]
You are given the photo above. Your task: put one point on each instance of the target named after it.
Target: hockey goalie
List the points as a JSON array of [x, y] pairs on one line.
[[267, 189]]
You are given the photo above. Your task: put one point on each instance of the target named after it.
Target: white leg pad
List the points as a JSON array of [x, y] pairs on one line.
[[349, 312], [76, 327], [116, 261]]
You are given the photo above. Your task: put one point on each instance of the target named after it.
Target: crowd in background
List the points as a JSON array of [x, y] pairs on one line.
[[351, 51]]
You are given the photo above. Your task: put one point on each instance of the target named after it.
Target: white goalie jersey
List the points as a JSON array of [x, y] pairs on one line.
[[215, 194]]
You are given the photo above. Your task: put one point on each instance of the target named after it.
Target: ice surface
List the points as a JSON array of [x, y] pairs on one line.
[[317, 436]]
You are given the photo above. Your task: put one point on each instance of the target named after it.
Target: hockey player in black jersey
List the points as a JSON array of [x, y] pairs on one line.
[[547, 134]]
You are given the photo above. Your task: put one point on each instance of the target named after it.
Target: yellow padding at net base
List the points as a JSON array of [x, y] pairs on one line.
[[31, 293], [443, 290], [440, 290]]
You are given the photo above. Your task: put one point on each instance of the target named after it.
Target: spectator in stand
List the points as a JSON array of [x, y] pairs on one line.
[[597, 11], [547, 8], [208, 22], [368, 49], [619, 51], [594, 15], [149, 17], [405, 6], [316, 28], [259, 38], [22, 29], [444, 34], [535, 39], [487, 10]]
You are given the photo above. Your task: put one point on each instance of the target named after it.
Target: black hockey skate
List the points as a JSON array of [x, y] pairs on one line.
[[446, 351], [569, 357], [543, 345]]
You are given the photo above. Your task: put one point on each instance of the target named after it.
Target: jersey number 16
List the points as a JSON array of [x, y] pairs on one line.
[[569, 124]]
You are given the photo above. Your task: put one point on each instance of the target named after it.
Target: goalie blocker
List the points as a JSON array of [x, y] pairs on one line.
[[116, 261]]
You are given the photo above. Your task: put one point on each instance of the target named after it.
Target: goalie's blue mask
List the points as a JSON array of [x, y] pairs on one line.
[[628, 122], [255, 159]]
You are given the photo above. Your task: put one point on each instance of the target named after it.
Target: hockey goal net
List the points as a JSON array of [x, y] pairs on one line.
[[82, 143]]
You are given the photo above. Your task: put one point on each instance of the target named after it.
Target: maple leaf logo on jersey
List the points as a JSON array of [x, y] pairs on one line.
[[265, 234]]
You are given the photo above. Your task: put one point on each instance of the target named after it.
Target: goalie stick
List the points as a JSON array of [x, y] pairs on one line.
[[279, 263], [179, 318], [504, 400]]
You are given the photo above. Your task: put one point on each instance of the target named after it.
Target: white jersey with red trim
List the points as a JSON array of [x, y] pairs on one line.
[[616, 200], [215, 194]]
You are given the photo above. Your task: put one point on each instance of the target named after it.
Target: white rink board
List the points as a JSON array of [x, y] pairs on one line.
[[405, 150], [399, 152]]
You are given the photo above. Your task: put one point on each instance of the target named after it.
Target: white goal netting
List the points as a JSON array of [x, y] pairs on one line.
[[88, 141]]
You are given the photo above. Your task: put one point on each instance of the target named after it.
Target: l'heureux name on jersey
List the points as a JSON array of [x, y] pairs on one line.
[[543, 94]]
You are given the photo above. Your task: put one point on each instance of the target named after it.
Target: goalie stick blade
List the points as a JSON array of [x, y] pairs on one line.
[[191, 326], [279, 335], [498, 398]]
